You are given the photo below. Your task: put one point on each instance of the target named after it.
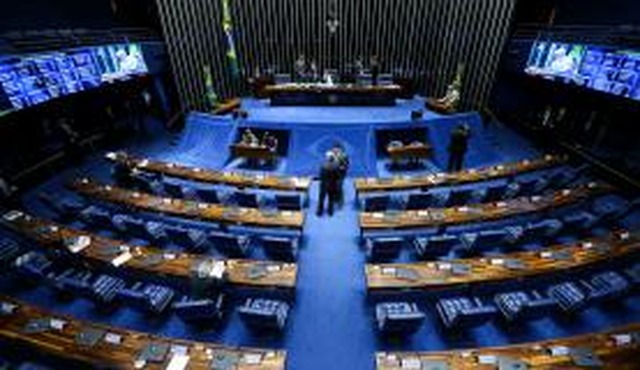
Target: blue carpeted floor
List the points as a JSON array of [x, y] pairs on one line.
[[331, 325]]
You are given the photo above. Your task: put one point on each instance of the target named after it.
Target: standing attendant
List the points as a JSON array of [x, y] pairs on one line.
[[458, 146], [374, 65], [343, 168], [329, 182], [8, 195]]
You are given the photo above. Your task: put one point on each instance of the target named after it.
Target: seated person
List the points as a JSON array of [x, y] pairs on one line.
[[249, 138], [269, 141], [448, 103]]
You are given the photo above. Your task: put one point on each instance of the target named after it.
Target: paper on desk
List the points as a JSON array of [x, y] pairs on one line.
[[178, 362], [122, 259]]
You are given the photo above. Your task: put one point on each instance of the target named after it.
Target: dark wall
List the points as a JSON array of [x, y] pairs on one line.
[[597, 12], [91, 14]]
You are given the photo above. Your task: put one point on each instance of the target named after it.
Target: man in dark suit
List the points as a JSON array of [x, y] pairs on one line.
[[329, 183], [458, 146], [374, 66]]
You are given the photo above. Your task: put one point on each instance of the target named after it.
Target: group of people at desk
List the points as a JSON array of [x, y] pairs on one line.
[[268, 142]]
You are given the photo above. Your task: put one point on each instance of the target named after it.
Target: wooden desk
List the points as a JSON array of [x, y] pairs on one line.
[[151, 261], [237, 179], [336, 94], [108, 352], [512, 266], [258, 152], [457, 178], [411, 151], [190, 209], [437, 217], [227, 106], [617, 349]]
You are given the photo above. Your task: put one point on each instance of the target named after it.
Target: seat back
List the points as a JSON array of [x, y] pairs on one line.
[[376, 203], [232, 245], [419, 201], [173, 190], [280, 247], [384, 248], [208, 195], [458, 197], [288, 202], [495, 193], [246, 200], [398, 317]]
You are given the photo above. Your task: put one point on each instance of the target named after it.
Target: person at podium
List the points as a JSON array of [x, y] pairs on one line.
[[374, 66], [300, 68]]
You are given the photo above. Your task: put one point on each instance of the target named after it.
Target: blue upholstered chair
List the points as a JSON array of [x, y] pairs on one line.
[[9, 251], [419, 201], [464, 312], [281, 247], [246, 200], [97, 216], [398, 317], [383, 248], [569, 295], [147, 297], [541, 230], [435, 245], [579, 221], [105, 288], [376, 203], [288, 202], [524, 305], [173, 190], [530, 186], [459, 197], [264, 314], [487, 239], [194, 240], [229, 244], [33, 265], [207, 195]]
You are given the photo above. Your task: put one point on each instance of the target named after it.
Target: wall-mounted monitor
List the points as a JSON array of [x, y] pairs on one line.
[[27, 80], [603, 68]]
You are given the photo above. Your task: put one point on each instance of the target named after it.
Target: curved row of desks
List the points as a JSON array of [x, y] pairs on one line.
[[189, 208], [149, 260], [615, 349], [236, 179], [109, 347], [513, 266], [364, 185], [438, 217]]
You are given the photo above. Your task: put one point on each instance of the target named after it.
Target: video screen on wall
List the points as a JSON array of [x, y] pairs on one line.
[[27, 80], [607, 69]]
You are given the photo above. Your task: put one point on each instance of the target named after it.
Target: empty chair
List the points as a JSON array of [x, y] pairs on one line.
[[383, 248], [281, 247], [435, 245], [398, 317], [419, 201], [73, 281], [207, 195], [464, 312], [144, 183], [524, 305], [288, 202], [194, 240], [487, 239], [9, 251], [105, 288], [173, 190], [580, 221], [606, 285], [633, 274], [561, 178], [65, 208], [130, 226], [530, 186], [459, 197], [612, 211], [261, 313], [541, 230], [97, 216], [147, 297], [189, 309], [377, 203], [569, 295], [154, 231], [33, 265], [245, 200], [231, 245], [494, 193]]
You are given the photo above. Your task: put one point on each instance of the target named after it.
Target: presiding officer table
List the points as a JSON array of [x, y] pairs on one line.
[[322, 94]]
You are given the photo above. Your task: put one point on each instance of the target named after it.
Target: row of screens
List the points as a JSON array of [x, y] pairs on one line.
[[34, 79], [605, 69]]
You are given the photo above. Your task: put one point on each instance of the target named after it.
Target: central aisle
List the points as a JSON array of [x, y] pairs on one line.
[[331, 327]]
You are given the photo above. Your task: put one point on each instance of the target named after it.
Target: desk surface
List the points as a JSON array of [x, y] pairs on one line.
[[189, 208], [457, 178], [149, 260], [616, 349], [119, 348], [511, 266], [321, 87], [236, 179], [437, 217]]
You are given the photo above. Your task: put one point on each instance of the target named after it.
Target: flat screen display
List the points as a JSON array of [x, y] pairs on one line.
[[29, 80], [607, 69]]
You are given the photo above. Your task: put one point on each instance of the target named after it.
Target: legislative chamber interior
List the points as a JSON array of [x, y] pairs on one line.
[[320, 184]]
